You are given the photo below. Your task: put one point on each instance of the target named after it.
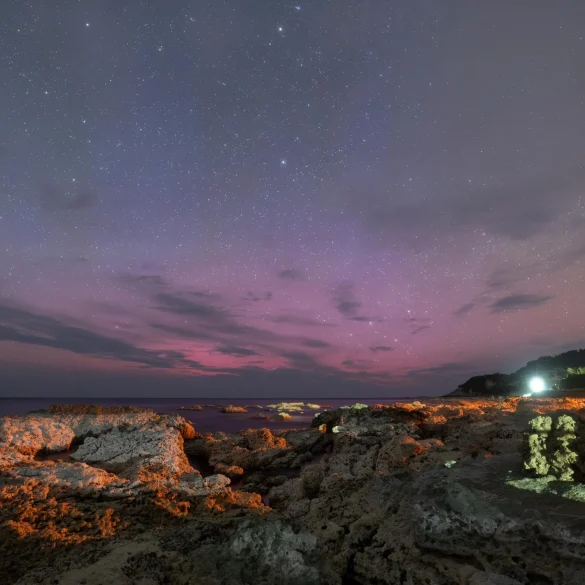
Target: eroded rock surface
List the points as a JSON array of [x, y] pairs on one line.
[[125, 451], [408, 494], [128, 450]]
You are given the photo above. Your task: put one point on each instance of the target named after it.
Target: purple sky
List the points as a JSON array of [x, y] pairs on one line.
[[332, 198]]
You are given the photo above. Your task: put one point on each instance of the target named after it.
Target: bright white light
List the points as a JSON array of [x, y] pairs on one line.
[[536, 385]]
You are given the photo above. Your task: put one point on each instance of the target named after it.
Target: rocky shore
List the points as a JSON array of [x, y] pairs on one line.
[[463, 492]]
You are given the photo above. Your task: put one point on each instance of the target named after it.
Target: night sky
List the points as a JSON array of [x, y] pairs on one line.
[[270, 198]]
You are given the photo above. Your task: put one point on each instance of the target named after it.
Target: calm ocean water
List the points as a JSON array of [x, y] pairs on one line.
[[207, 421]]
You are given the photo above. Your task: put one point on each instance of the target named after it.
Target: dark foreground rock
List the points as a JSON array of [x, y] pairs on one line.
[[410, 494]]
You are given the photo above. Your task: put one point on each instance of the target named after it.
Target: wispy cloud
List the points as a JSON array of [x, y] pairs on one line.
[[74, 197], [447, 368], [346, 302], [517, 211], [254, 298], [236, 351], [508, 276], [291, 274], [518, 302], [464, 310], [316, 343], [417, 324], [24, 326], [298, 320], [377, 348]]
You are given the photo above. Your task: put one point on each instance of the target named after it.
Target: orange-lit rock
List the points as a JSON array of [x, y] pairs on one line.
[[228, 470], [230, 409], [401, 450]]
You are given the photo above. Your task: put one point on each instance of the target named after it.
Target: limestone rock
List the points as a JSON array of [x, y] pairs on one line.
[[55, 430], [483, 578], [288, 406], [123, 452], [400, 451], [251, 449], [34, 433], [552, 446], [273, 547]]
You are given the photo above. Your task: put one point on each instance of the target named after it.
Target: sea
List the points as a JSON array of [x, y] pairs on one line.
[[209, 420]]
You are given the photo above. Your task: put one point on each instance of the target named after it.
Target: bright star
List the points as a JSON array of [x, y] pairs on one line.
[[280, 29]]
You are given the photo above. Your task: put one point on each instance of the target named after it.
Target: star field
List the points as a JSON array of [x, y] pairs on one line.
[[316, 198]]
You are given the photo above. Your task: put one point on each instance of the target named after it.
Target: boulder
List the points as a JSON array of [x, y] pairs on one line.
[[554, 445], [125, 451], [251, 449], [36, 433], [260, 417], [122, 452], [230, 409], [280, 416]]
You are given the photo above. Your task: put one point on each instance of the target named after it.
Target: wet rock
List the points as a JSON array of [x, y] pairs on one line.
[[329, 418], [233, 409], [260, 417], [288, 406], [280, 416]]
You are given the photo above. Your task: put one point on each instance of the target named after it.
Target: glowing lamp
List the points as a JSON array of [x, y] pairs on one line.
[[536, 385]]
